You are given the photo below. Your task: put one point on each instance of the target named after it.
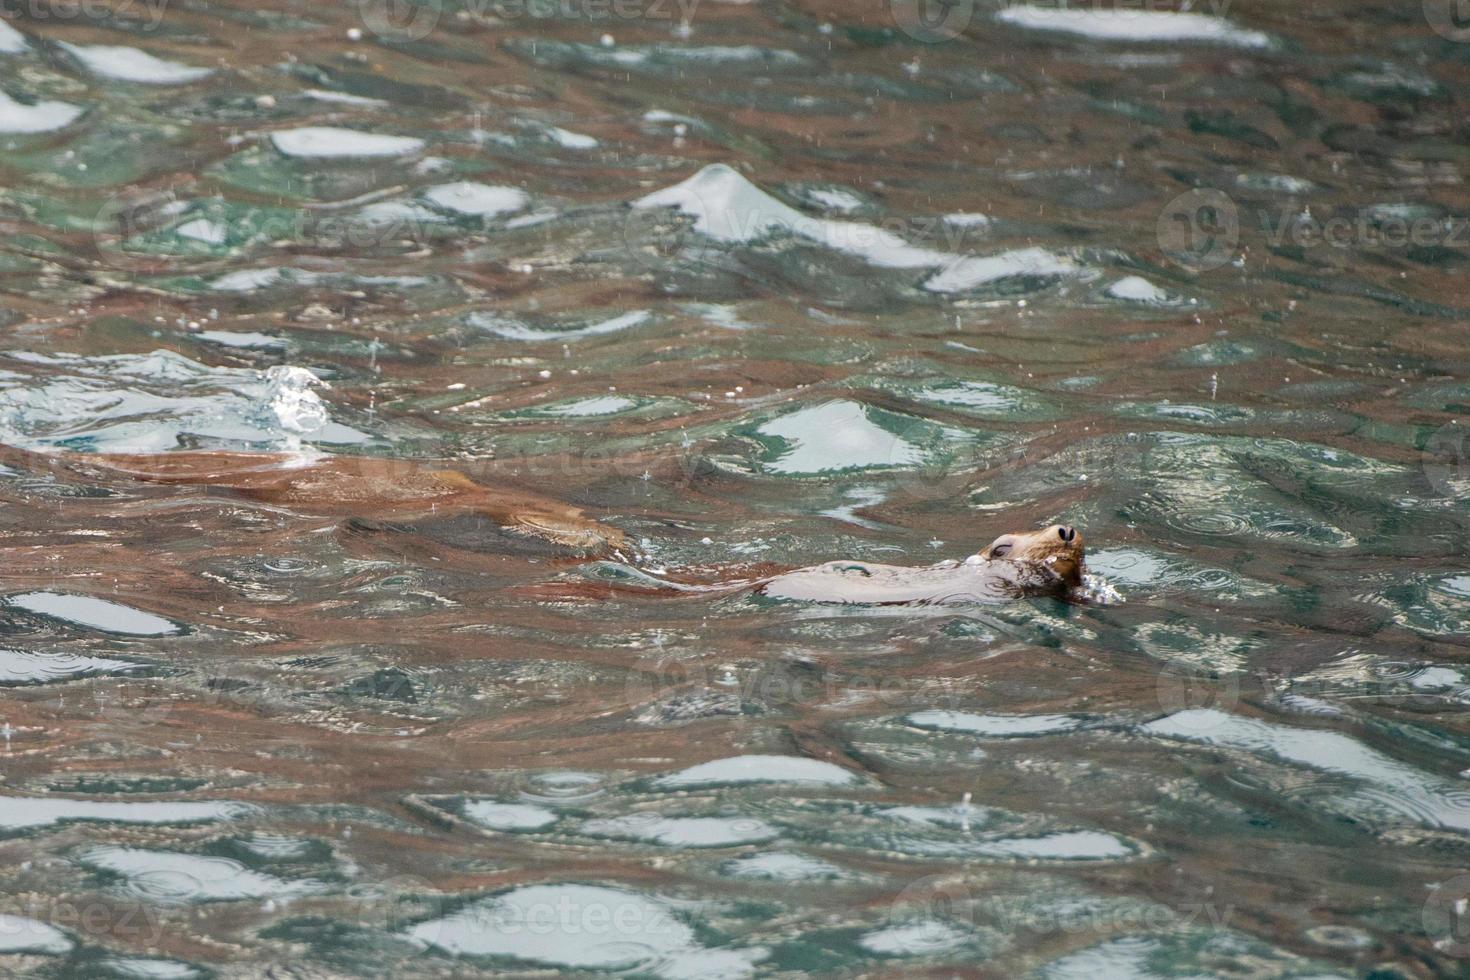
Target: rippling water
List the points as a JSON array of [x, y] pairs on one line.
[[762, 285]]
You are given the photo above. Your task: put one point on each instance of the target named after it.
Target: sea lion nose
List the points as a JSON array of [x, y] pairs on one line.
[[1066, 532]]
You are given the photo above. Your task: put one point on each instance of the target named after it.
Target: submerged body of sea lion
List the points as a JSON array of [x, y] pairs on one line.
[[367, 487], [1048, 561]]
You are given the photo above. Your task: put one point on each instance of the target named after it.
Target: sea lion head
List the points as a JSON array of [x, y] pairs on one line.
[[1057, 549]]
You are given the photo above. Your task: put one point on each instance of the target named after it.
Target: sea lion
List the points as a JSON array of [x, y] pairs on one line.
[[1048, 561], [368, 487]]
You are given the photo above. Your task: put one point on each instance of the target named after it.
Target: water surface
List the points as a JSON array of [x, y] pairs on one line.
[[763, 285]]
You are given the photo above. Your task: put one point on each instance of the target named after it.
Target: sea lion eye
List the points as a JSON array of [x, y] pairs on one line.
[[999, 551]]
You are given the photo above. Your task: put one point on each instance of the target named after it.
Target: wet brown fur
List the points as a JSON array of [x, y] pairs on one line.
[[1045, 547]]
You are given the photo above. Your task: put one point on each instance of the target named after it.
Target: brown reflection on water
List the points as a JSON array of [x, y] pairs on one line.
[[342, 659]]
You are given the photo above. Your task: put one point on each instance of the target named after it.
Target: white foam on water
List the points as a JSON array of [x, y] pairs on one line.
[[1136, 289], [999, 726], [508, 816], [32, 667], [744, 769], [133, 65], [1133, 25], [569, 140], [27, 812], [913, 939], [12, 41], [151, 969], [328, 142], [102, 614], [836, 435], [1436, 678], [290, 399], [781, 866], [170, 878], [970, 272], [41, 117], [836, 199], [584, 927], [728, 208], [683, 831], [22, 935], [479, 200], [249, 280], [203, 230]]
